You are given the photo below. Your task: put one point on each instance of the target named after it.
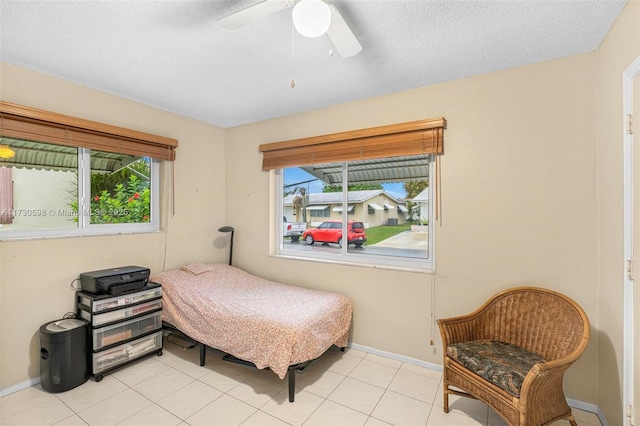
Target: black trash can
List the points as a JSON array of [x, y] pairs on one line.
[[63, 354]]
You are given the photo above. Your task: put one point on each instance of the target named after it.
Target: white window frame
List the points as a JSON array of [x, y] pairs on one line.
[[85, 228], [356, 259]]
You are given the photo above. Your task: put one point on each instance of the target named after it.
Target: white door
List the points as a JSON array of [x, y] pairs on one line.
[[631, 367], [636, 245]]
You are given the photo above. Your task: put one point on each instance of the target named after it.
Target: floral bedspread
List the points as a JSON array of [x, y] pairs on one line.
[[267, 323]]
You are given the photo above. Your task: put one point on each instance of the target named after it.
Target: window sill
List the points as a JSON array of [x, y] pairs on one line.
[[49, 236], [362, 263]]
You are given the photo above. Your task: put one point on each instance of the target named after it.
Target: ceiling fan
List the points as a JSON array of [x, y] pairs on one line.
[[311, 18]]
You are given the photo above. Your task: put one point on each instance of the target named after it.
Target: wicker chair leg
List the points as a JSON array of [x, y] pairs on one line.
[[446, 398], [572, 421]]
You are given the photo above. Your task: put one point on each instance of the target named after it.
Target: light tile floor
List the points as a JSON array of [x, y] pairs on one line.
[[340, 388]]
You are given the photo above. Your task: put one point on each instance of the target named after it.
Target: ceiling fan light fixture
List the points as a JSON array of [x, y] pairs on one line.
[[6, 152], [311, 17]]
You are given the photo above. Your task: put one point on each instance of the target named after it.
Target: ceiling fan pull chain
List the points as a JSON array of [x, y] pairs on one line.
[[331, 36]]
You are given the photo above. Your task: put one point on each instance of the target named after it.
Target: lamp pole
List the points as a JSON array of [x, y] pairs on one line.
[[226, 229]]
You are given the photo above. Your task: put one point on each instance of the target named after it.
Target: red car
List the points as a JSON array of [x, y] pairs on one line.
[[331, 232]]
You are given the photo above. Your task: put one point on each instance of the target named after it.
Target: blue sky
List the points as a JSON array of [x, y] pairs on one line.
[[296, 176]]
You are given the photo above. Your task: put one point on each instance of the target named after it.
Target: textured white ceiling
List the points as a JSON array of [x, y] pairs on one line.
[[173, 55]]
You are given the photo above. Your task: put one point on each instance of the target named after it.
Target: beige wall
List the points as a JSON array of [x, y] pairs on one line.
[[531, 195], [518, 203], [619, 49], [56, 187], [35, 275], [531, 186]]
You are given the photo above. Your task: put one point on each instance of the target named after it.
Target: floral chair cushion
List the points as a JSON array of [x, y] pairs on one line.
[[502, 364]]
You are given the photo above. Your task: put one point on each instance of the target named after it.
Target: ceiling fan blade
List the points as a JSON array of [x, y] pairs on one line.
[[341, 35], [254, 13]]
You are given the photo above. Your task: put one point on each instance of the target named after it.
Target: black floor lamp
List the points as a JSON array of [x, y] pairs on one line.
[[228, 229]]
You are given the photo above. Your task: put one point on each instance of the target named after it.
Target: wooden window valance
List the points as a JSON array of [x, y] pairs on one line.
[[22, 122], [411, 138]]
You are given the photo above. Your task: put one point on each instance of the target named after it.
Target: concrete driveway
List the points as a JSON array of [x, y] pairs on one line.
[[406, 240]]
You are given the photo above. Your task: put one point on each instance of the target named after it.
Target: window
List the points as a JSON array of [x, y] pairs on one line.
[[324, 212], [375, 211], [58, 190], [377, 234], [73, 177]]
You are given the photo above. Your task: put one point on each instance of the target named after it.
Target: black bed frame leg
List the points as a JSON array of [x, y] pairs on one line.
[[203, 349], [292, 384]]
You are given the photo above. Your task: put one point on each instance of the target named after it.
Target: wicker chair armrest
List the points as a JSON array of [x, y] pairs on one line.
[[460, 329], [544, 381], [546, 378]]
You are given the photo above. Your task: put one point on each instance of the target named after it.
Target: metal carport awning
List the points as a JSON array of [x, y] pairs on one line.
[[399, 169], [44, 156]]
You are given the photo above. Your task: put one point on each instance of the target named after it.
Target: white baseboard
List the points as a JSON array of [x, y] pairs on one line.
[[19, 386], [589, 408], [408, 360], [601, 416]]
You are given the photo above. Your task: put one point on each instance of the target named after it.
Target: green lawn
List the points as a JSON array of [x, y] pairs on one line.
[[382, 232], [379, 233]]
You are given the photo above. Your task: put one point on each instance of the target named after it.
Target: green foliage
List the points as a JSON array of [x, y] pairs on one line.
[[124, 204], [413, 188], [355, 187], [109, 181], [379, 233], [116, 202]]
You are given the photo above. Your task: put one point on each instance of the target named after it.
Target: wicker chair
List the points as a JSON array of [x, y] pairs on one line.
[[544, 333]]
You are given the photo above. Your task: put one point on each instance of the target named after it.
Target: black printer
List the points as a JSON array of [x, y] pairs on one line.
[[115, 281]]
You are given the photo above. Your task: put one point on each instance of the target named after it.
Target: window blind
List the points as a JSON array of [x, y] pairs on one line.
[[22, 122], [410, 138]]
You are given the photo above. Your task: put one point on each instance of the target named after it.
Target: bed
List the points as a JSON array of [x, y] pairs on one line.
[[253, 320]]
